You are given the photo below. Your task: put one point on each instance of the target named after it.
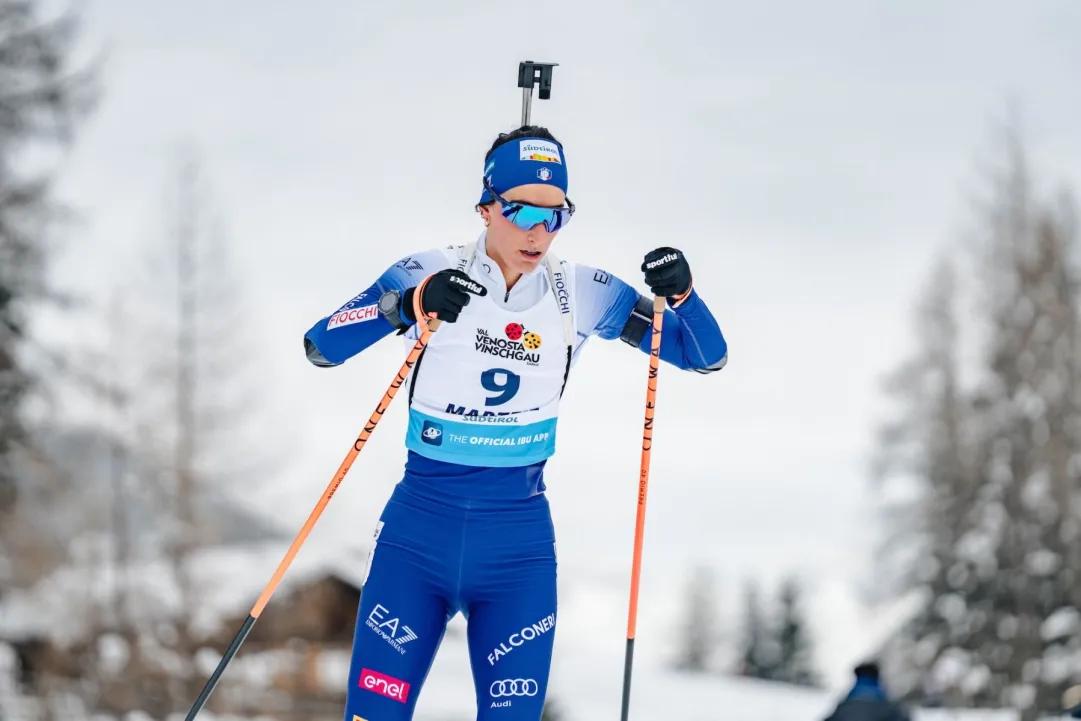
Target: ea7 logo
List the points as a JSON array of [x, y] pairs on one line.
[[408, 264], [394, 634]]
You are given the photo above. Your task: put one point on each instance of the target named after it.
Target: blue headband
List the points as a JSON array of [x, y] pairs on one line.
[[522, 162]]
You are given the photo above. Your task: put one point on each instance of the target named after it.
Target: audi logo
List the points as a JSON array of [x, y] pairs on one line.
[[514, 687]]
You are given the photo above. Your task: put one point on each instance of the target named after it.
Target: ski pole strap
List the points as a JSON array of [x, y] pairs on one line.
[[418, 310], [678, 300]]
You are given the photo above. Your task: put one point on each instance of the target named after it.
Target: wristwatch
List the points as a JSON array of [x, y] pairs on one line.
[[388, 308]]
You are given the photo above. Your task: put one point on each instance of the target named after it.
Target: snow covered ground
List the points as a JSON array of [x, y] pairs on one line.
[[587, 669], [588, 687]]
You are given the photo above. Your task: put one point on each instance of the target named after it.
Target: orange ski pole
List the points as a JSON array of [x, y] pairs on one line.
[[643, 487], [428, 327]]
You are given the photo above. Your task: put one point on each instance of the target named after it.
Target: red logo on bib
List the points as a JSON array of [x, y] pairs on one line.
[[517, 332]]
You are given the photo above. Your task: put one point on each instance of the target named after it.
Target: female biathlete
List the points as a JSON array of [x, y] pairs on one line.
[[468, 527]]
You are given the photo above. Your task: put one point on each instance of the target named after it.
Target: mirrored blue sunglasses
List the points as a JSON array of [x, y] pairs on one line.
[[527, 216]]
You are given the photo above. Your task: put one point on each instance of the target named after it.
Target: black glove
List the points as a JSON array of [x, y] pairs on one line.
[[668, 274], [445, 294]]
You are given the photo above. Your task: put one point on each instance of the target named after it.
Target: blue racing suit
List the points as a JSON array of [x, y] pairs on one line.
[[468, 528]]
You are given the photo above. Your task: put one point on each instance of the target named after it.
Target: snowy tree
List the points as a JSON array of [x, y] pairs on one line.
[[928, 452], [42, 102], [196, 413], [927, 446], [699, 633], [796, 664], [174, 443], [994, 465], [1033, 427], [759, 649]]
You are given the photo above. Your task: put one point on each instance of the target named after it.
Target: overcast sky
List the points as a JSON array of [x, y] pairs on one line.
[[809, 158]]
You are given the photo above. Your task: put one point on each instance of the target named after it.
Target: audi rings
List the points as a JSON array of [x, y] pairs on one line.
[[514, 687]]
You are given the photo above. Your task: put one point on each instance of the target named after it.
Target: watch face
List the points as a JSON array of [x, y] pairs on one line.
[[388, 301]]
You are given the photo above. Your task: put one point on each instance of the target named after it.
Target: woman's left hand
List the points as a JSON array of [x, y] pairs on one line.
[[668, 274]]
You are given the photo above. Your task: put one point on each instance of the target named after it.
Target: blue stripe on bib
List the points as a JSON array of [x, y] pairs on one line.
[[480, 444]]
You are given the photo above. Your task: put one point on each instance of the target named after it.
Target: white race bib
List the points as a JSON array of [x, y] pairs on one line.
[[486, 390]]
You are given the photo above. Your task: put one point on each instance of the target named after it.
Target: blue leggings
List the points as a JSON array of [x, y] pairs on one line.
[[431, 559]]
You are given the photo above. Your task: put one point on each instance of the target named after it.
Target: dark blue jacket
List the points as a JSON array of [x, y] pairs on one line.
[[867, 701]]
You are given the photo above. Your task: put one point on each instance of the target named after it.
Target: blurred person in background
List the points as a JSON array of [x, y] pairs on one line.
[[868, 701]]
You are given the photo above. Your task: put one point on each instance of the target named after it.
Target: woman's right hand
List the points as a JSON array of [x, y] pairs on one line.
[[446, 293]]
